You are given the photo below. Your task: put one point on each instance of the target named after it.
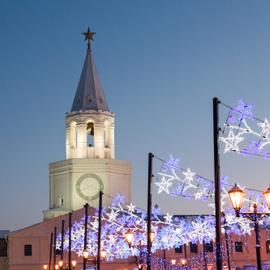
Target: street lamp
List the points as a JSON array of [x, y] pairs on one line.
[[152, 237], [73, 263], [85, 254], [267, 196], [183, 262], [61, 263], [129, 237], [237, 197], [45, 266], [103, 254]]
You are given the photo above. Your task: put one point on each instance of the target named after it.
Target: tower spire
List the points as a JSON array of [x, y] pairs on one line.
[[89, 94]]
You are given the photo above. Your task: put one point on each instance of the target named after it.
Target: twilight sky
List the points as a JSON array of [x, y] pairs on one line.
[[160, 62]]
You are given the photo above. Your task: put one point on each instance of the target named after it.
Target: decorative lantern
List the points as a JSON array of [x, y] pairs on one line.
[[85, 254], [237, 197], [267, 196], [129, 237]]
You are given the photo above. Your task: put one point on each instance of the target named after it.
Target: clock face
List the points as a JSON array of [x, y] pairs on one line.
[[88, 186]]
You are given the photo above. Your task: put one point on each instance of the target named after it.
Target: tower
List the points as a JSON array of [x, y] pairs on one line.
[[89, 165]]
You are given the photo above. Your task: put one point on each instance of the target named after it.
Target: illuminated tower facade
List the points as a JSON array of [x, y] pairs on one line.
[[90, 164]]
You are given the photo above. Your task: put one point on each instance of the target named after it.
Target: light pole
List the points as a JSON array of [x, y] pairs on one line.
[[149, 209], [237, 197], [85, 251], [216, 130], [99, 254]]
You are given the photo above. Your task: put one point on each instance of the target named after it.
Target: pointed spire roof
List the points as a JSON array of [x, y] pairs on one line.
[[89, 94]]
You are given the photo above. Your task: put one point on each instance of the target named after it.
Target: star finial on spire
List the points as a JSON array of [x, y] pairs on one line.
[[88, 36]]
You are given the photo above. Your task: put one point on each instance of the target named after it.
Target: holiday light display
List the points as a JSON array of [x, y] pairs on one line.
[[244, 133], [176, 181], [170, 231], [173, 231]]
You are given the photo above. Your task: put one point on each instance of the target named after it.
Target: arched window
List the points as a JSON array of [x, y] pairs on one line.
[[73, 134], [106, 134], [90, 133]]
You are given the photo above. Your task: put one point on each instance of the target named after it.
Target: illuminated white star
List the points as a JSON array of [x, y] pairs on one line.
[[112, 215], [265, 126], [188, 175], [198, 195], [188, 179], [131, 207], [164, 184], [231, 142], [168, 218], [94, 224]]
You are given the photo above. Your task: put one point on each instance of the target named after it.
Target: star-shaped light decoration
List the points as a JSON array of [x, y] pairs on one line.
[[198, 194], [188, 179], [265, 126], [112, 215], [131, 207], [165, 183], [168, 218], [94, 224], [231, 142]]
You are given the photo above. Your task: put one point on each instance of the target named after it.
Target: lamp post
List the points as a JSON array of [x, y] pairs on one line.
[[216, 131], [237, 197], [129, 235], [85, 251], [149, 209], [99, 255]]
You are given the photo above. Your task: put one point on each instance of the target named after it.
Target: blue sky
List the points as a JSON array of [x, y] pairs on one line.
[[160, 62]]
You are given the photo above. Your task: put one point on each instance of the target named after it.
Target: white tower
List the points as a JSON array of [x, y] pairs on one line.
[[90, 165]]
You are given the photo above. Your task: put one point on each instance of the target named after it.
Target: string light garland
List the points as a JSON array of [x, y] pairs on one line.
[[170, 231], [244, 133], [175, 180]]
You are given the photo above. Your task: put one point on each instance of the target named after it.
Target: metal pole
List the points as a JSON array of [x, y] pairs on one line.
[[217, 182], [185, 250], [149, 209], [204, 256], [164, 259], [51, 246], [62, 239], [226, 241], [54, 248], [258, 245], [99, 229], [69, 241], [85, 233]]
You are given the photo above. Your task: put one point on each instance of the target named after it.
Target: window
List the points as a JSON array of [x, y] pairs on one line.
[[209, 247], [193, 248], [27, 250], [238, 246], [73, 135], [90, 134], [178, 249], [268, 246], [3, 248], [58, 251]]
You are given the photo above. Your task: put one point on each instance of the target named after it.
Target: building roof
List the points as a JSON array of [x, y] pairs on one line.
[[3, 233], [89, 94]]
